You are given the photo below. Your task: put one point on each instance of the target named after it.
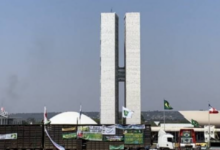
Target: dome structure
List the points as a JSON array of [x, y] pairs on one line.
[[71, 118]]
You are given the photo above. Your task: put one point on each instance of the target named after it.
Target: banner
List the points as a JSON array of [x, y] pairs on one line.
[[133, 131], [69, 135], [133, 138], [54, 143], [113, 138], [9, 136], [69, 129], [108, 130], [90, 129], [118, 126], [112, 147], [92, 136]]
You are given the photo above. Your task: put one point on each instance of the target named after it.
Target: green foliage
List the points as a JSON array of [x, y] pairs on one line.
[[31, 120], [184, 121], [24, 122], [97, 120], [142, 119]]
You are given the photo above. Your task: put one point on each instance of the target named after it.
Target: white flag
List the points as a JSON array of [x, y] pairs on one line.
[[126, 113], [59, 147], [46, 121]]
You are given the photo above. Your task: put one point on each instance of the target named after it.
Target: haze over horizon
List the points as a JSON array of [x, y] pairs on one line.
[[50, 54]]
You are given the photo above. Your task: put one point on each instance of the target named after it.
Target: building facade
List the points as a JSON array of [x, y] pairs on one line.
[[132, 66], [109, 67], [6, 120], [112, 74]]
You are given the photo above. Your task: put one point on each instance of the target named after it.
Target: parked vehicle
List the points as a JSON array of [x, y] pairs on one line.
[[215, 142], [165, 140], [187, 139]]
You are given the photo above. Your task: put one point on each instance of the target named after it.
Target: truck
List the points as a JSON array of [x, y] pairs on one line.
[[187, 139], [214, 142], [165, 140]]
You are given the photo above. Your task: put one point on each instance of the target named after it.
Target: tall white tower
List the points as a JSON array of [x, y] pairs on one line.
[[132, 66], [112, 74], [109, 67]]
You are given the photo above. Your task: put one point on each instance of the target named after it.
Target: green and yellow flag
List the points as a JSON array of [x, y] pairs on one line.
[[167, 105], [195, 123]]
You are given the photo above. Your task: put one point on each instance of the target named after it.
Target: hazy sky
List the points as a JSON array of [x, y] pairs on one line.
[[50, 53]]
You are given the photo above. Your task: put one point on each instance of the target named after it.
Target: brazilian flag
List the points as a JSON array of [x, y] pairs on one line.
[[195, 123], [167, 105]]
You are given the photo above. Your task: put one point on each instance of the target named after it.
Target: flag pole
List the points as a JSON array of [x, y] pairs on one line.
[[80, 113], [164, 118], [209, 128], [164, 114], [43, 127], [123, 119]]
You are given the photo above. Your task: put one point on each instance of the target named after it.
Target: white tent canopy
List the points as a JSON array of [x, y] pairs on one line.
[[71, 118]]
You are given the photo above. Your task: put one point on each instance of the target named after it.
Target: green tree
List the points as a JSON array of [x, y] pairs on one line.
[[97, 120], [142, 118], [23, 122], [31, 120]]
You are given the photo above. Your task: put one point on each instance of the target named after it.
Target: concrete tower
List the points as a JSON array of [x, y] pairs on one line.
[[109, 66], [112, 74], [132, 66]]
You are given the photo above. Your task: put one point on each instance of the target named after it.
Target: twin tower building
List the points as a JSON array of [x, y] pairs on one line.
[[112, 74]]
